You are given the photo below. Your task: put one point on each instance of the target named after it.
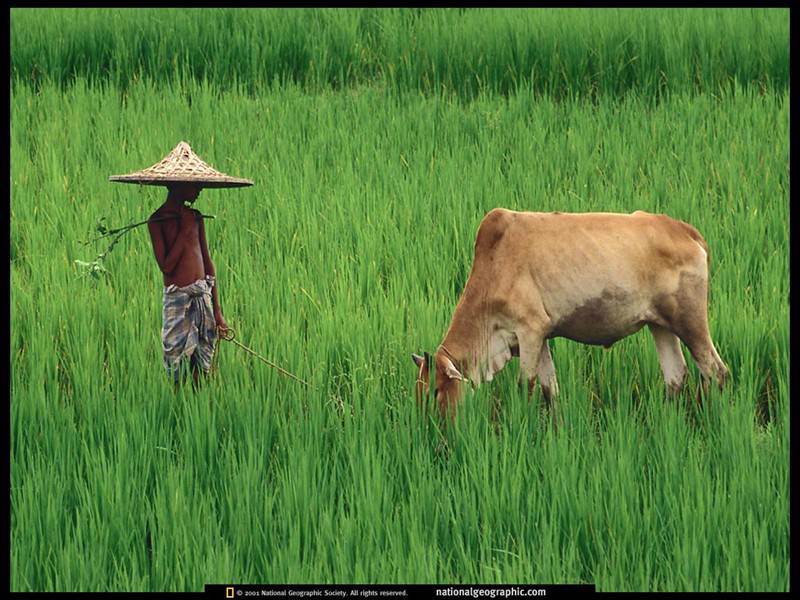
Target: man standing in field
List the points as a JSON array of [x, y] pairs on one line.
[[192, 312], [191, 308]]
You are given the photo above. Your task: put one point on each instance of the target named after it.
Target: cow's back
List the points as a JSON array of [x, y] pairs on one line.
[[554, 241]]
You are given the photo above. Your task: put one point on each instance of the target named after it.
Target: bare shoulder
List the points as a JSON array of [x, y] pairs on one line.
[[155, 218]]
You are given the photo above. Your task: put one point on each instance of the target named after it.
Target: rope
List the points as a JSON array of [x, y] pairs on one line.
[[229, 336]]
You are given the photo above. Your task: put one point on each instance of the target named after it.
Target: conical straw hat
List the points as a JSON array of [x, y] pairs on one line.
[[182, 166]]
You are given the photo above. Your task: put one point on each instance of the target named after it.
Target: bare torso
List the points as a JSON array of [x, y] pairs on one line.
[[190, 265]]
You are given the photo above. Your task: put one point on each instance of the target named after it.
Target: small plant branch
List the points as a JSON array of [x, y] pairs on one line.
[[105, 232], [95, 267]]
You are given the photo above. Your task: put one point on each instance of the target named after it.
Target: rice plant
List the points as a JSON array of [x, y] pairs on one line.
[[349, 254], [562, 52]]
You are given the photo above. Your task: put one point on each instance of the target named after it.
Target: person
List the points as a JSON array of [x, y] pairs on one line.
[[191, 308]]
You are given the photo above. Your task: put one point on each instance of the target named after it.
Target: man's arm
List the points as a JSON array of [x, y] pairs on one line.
[[167, 261], [210, 270]]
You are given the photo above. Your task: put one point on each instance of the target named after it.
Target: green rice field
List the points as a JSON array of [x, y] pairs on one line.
[[377, 141]]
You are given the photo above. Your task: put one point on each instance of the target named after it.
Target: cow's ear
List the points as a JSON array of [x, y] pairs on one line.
[[451, 371], [427, 360], [418, 360]]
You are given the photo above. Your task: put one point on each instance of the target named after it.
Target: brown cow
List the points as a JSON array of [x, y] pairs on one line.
[[590, 277]]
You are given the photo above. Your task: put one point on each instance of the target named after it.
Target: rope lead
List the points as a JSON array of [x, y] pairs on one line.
[[229, 336]]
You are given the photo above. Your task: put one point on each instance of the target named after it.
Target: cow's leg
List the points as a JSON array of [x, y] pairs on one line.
[[532, 347], [705, 355], [673, 364], [546, 372], [690, 324]]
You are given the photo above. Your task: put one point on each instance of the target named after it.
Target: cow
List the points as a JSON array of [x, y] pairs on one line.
[[594, 278]]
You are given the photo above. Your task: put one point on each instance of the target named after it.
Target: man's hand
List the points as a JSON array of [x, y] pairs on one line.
[[222, 326]]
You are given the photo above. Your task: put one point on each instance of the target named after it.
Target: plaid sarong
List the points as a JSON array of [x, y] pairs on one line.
[[189, 329]]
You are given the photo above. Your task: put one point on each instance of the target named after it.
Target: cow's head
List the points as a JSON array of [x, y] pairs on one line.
[[448, 381]]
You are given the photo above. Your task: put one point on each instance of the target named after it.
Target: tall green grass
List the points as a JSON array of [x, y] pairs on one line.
[[559, 52], [347, 255]]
